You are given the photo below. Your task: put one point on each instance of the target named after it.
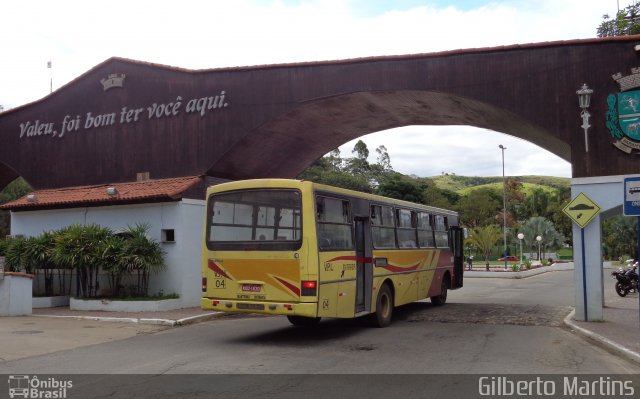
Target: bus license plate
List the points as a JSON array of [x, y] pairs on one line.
[[250, 306], [251, 287]]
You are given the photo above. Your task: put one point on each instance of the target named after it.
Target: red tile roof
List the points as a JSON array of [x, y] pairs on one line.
[[144, 191]]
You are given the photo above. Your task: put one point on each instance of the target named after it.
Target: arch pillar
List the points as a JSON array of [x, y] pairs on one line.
[[608, 193]]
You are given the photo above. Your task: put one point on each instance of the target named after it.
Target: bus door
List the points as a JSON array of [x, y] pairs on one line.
[[456, 241], [364, 267]]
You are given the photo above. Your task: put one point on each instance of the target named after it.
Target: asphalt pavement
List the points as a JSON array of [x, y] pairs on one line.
[[57, 329]]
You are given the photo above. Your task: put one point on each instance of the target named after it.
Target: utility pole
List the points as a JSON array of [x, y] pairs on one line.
[[504, 208], [50, 76]]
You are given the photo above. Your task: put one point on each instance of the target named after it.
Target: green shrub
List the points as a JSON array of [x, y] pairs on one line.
[[88, 249], [4, 243]]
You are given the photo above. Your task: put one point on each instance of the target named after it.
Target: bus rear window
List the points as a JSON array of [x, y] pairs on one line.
[[265, 219]]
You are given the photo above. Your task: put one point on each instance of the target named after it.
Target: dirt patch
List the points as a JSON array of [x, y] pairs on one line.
[[522, 315]]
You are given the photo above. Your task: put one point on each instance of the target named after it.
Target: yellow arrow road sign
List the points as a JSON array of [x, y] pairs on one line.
[[581, 210]]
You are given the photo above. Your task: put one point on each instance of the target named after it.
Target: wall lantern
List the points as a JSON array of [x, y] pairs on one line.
[[584, 99]]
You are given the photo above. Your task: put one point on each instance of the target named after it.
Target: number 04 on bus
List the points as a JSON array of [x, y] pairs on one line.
[[307, 251]]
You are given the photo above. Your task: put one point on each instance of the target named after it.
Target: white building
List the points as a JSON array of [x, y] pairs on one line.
[[173, 208]]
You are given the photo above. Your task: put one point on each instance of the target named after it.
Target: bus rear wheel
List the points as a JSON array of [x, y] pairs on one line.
[[302, 321], [384, 307], [442, 298]]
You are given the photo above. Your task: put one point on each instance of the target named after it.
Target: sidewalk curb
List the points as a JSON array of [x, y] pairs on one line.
[[558, 267], [617, 348], [158, 322], [199, 318]]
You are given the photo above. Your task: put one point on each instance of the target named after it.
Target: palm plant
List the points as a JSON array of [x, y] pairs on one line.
[[142, 255], [484, 238], [114, 261], [79, 247], [540, 226], [15, 255], [38, 252]]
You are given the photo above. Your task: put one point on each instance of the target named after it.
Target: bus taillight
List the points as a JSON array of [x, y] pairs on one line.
[[309, 288], [204, 284]]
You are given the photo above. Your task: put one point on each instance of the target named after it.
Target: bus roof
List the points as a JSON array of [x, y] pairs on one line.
[[304, 184]]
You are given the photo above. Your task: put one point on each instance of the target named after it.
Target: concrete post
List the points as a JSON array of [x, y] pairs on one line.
[[15, 294]]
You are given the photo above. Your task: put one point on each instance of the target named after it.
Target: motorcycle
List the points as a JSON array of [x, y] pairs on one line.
[[627, 280]]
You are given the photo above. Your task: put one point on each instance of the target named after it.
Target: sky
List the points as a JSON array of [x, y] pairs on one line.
[[77, 35]]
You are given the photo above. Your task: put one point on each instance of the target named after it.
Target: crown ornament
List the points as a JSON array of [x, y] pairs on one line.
[[628, 82], [113, 80]]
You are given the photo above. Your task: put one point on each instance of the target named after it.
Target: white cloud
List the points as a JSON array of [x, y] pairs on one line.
[[463, 150], [204, 34]]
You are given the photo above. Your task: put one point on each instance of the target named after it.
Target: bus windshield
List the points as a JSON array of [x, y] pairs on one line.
[[268, 219]]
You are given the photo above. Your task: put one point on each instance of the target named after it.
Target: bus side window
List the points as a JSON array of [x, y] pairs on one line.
[[334, 224], [383, 227], [425, 231], [442, 239], [406, 230]]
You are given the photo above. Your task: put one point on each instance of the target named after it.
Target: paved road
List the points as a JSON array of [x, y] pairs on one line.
[[491, 326], [550, 289]]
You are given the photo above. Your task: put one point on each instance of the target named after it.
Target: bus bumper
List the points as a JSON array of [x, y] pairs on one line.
[[274, 308]]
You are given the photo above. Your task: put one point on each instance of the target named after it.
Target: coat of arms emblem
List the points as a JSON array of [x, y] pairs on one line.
[[623, 114]]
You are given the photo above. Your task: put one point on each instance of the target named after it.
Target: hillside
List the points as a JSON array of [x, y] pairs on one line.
[[464, 184]]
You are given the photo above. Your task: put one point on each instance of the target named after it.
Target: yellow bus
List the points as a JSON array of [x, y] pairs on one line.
[[307, 251]]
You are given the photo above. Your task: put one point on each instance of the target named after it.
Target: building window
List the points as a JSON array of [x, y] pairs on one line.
[[168, 235]]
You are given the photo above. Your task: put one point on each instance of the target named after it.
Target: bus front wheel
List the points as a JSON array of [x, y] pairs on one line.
[[303, 321], [384, 307]]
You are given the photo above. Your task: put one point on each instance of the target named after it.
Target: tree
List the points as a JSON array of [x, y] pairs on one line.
[[561, 221], [515, 196], [485, 239], [619, 237], [479, 207], [353, 173], [384, 160], [359, 165], [434, 196], [626, 22], [337, 179], [402, 187], [4, 243], [13, 191], [334, 160]]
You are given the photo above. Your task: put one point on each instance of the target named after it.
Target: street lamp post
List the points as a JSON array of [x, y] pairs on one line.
[[538, 238], [504, 208], [520, 237]]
